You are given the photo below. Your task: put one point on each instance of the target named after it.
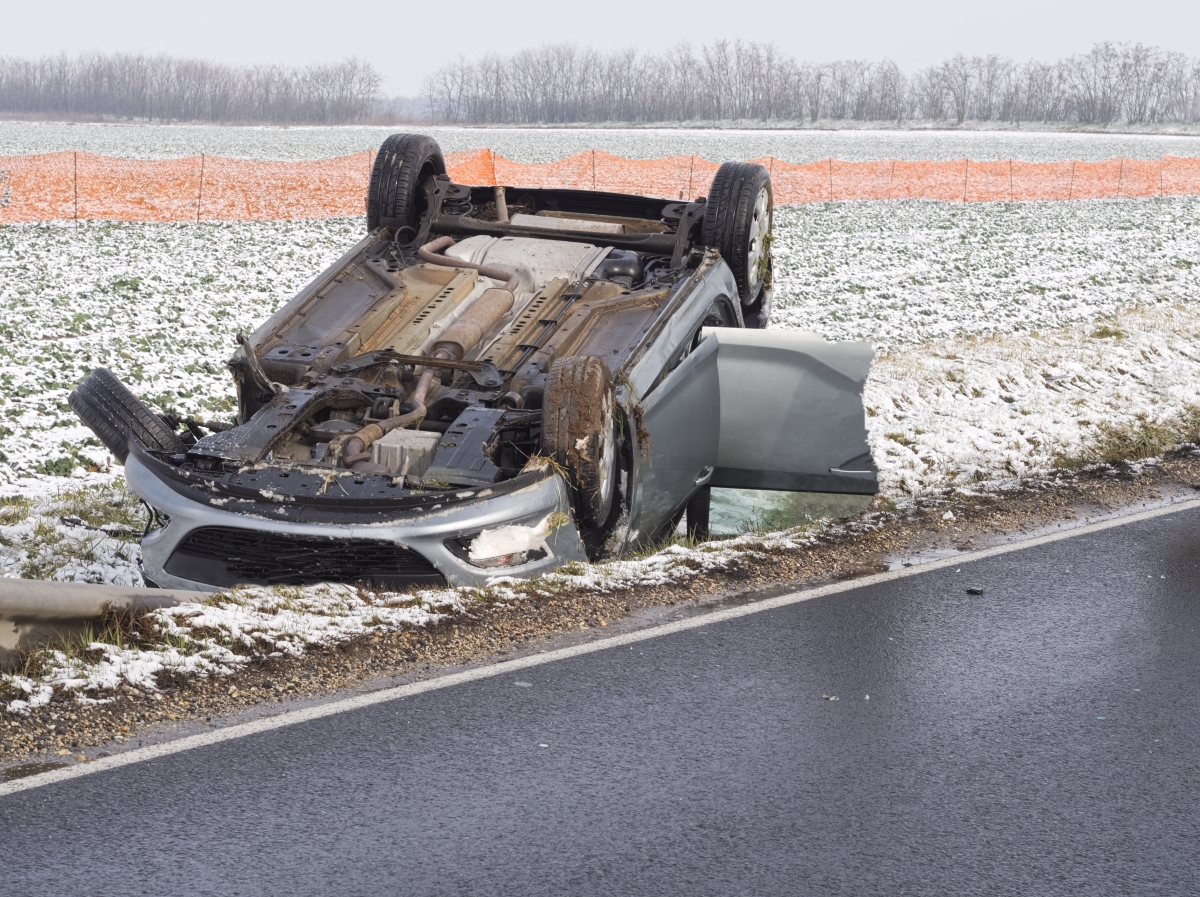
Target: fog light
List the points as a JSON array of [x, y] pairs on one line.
[[461, 548]]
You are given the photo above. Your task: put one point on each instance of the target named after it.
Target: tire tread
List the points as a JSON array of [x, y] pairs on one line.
[[114, 414], [395, 188], [731, 199], [576, 389]]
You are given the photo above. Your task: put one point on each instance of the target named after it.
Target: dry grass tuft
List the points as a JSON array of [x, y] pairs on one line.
[[1135, 441]]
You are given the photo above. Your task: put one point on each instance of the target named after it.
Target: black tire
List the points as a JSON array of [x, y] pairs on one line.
[[699, 508], [114, 414], [719, 314], [396, 194], [734, 224], [579, 432], [758, 314]]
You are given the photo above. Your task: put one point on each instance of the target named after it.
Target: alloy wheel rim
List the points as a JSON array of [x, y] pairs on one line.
[[760, 228]]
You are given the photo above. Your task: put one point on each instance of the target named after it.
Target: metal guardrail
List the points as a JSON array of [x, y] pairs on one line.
[[36, 612]]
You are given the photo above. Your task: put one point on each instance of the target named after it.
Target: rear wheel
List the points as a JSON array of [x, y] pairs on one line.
[[737, 222], [698, 510], [114, 414], [396, 194], [579, 431]]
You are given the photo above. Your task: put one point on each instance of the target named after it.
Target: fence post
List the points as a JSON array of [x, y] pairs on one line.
[[1011, 195], [200, 194], [691, 172], [593, 169], [75, 186], [831, 178], [1071, 183], [966, 175]]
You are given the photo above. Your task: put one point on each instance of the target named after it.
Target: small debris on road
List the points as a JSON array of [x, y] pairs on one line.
[[830, 697], [974, 590]]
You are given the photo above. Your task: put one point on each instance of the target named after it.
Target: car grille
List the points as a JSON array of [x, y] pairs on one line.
[[228, 556]]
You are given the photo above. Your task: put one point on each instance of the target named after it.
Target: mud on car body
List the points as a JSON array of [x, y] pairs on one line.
[[492, 382]]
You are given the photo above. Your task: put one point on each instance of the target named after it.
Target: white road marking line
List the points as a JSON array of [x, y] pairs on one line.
[[293, 717]]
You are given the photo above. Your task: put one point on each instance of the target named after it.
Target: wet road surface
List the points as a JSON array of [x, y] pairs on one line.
[[1038, 738]]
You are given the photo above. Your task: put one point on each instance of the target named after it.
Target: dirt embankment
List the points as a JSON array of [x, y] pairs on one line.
[[65, 731]]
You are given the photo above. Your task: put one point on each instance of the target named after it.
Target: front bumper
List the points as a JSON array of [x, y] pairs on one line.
[[425, 534]]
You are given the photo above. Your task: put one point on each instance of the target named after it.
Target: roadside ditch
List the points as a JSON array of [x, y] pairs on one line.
[[524, 619]]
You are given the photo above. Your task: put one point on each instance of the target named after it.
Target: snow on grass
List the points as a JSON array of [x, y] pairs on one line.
[[969, 409], [1012, 339], [87, 531], [906, 272], [1010, 336], [801, 145], [220, 636], [225, 632], [158, 304]]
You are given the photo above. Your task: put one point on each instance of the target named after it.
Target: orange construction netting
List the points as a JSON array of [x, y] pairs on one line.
[[85, 186]]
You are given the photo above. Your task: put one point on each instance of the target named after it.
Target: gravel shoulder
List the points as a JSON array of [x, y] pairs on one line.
[[68, 732]]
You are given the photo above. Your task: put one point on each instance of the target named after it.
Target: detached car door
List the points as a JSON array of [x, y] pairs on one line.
[[753, 409]]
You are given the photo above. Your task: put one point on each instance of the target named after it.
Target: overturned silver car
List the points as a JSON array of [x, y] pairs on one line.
[[492, 382]]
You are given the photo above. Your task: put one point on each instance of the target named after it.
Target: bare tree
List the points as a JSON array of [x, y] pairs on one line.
[[1094, 84], [164, 88], [558, 83]]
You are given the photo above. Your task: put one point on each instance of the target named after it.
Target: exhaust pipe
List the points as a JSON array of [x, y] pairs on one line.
[[460, 338]]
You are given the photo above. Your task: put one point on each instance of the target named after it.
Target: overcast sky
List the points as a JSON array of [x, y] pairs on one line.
[[406, 41]]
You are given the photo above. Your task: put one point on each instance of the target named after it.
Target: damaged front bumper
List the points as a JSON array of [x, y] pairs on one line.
[[468, 539]]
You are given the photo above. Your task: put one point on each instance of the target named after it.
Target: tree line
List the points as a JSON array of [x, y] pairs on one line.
[[167, 88], [741, 80]]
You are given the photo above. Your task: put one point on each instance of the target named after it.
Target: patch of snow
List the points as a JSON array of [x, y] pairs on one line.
[[721, 142], [221, 636], [510, 539]]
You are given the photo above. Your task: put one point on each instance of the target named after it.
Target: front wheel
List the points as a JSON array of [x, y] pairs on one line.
[[579, 431], [115, 414]]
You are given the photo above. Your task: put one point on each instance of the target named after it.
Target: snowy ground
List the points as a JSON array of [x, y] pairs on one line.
[[221, 635], [158, 304], [1010, 335], [1011, 338], [1007, 333], [547, 144]]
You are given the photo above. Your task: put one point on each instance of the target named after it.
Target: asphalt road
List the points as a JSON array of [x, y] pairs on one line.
[[1040, 738]]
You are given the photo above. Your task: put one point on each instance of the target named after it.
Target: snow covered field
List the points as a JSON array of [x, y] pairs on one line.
[[1010, 338], [549, 144]]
